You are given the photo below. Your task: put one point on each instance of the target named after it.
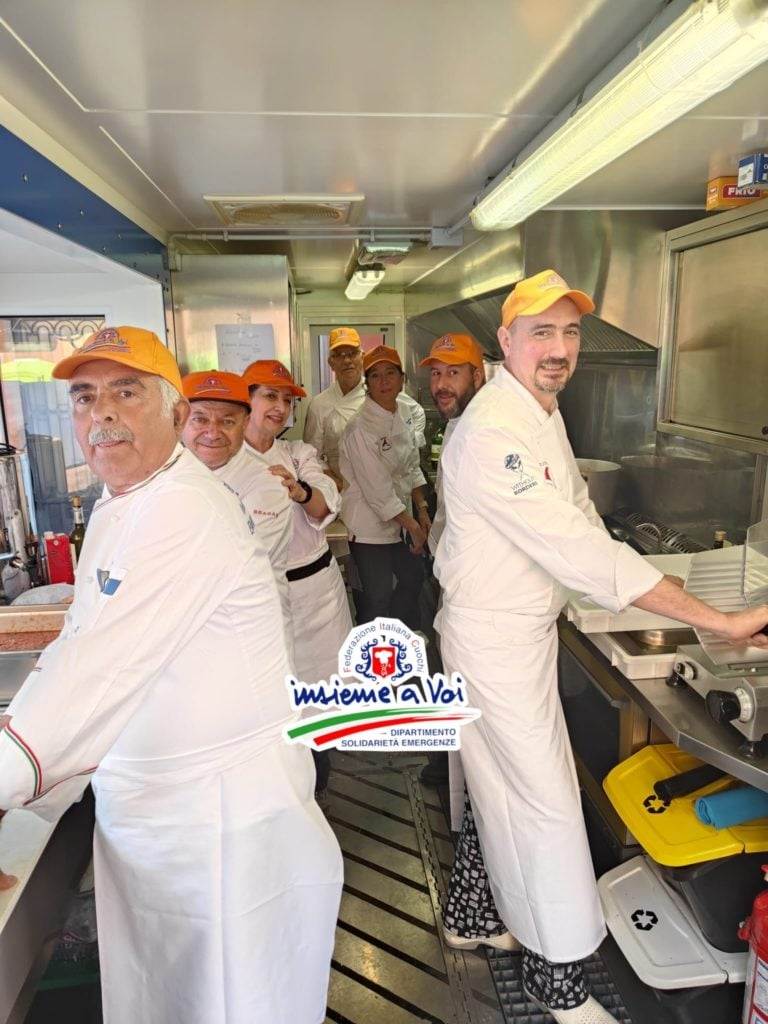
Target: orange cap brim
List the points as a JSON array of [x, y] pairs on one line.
[[582, 301], [349, 343], [451, 359], [384, 359], [218, 398], [65, 368], [295, 390]]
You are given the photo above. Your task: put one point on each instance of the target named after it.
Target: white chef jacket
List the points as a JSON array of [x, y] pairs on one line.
[[515, 501], [315, 608], [330, 412], [380, 462], [414, 416], [297, 537], [438, 523], [167, 685], [519, 527], [262, 496]]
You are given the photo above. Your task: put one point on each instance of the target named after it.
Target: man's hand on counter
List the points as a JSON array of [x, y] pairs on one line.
[[747, 625], [667, 598]]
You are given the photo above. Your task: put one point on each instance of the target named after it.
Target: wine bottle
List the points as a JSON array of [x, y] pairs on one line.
[[436, 446], [77, 536]]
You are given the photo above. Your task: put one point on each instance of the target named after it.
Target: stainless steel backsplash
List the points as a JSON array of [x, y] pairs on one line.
[[688, 485]]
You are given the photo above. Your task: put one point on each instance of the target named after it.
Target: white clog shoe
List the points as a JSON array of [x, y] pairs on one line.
[[506, 942], [590, 1012]]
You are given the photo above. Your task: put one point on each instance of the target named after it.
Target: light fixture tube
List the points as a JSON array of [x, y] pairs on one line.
[[706, 49], [362, 283]]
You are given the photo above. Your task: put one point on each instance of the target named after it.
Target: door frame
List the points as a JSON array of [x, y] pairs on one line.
[[325, 316]]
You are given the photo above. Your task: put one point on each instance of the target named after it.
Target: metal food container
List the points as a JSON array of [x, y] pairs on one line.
[[602, 479]]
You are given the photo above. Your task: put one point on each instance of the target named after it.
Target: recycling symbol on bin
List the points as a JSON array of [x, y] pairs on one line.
[[644, 920], [654, 804]]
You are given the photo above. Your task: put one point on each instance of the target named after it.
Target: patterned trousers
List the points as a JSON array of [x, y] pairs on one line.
[[470, 912]]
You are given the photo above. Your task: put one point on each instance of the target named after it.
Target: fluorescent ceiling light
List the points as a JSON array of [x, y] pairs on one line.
[[362, 283], [713, 43]]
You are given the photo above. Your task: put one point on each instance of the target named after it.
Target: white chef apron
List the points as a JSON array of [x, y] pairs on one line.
[[522, 782], [219, 890], [321, 622]]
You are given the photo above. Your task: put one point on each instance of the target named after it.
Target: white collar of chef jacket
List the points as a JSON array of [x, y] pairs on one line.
[[374, 414], [107, 496], [506, 380], [338, 394]]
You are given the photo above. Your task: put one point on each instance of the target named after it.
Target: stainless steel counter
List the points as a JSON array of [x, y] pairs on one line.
[[682, 717]]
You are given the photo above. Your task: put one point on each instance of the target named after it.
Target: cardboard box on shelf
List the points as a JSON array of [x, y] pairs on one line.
[[753, 170], [724, 193]]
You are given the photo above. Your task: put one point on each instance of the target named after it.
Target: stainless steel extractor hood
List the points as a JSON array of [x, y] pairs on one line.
[[613, 255], [480, 317]]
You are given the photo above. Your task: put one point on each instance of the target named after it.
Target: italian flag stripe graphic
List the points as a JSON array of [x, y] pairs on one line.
[[337, 726], [30, 756]]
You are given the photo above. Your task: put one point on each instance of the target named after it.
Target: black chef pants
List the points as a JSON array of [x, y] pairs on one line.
[[377, 565]]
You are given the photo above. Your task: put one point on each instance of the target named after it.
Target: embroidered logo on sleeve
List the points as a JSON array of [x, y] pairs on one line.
[[109, 580], [523, 481]]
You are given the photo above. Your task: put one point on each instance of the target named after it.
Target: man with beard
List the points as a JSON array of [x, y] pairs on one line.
[[520, 529], [456, 373], [470, 918]]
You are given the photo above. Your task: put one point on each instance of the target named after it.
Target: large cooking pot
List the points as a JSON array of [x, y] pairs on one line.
[[674, 488], [602, 479]]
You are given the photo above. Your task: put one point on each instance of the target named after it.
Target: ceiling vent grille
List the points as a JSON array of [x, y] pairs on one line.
[[285, 212]]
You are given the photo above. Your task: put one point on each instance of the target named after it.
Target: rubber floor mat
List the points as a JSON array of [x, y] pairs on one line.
[[517, 1009]]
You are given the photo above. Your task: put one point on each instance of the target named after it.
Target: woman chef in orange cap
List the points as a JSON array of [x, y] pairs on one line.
[[308, 501]]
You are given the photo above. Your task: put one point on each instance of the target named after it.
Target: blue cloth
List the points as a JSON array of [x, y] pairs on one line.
[[732, 807]]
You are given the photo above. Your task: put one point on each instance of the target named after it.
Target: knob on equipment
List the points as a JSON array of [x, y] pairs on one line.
[[723, 705], [685, 670]]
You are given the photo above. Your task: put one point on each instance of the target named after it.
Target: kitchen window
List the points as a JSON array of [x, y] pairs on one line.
[[36, 416]]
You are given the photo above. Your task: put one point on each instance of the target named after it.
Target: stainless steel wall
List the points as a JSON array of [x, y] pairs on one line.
[[688, 485], [210, 290], [610, 411], [614, 255]]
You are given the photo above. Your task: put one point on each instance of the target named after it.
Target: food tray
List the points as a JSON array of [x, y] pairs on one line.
[[589, 617], [653, 665]]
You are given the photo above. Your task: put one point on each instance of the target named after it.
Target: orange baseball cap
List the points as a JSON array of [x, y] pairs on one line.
[[454, 349], [216, 386], [273, 374], [343, 336], [535, 294], [381, 354], [131, 346]]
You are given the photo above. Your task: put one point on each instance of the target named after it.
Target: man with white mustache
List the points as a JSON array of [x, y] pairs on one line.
[[217, 877]]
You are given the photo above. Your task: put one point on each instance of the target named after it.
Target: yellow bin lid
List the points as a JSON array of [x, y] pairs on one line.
[[671, 833]]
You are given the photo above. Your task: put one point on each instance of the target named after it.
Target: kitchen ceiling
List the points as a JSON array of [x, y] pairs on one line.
[[415, 105]]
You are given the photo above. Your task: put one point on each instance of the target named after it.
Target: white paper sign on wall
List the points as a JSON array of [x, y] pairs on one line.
[[237, 345]]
